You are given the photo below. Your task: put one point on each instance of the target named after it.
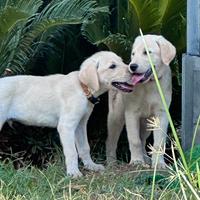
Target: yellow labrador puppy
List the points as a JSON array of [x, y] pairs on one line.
[[144, 102], [65, 102]]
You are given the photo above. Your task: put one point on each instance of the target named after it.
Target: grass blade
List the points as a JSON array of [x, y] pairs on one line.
[[167, 110], [189, 185], [154, 178], [194, 137], [178, 174], [198, 175]]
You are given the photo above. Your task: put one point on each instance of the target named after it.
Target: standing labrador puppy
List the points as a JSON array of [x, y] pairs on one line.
[[65, 102], [133, 109]]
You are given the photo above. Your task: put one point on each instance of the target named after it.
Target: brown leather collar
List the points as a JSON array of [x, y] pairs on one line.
[[89, 95]]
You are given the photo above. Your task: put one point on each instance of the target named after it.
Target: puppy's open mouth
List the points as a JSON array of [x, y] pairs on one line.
[[141, 77], [123, 86]]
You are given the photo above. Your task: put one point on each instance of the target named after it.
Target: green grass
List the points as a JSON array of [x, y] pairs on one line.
[[117, 182]]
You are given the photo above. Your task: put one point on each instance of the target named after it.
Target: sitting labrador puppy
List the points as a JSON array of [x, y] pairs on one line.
[[134, 108], [65, 102]]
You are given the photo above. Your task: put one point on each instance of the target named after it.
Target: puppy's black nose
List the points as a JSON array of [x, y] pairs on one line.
[[133, 67]]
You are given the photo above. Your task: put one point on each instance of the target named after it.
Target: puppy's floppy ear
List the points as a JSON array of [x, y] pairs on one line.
[[88, 74], [168, 51]]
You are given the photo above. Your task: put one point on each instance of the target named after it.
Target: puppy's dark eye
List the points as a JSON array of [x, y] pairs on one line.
[[112, 66], [133, 54]]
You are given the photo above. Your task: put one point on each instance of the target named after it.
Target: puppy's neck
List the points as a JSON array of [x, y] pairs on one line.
[[92, 96], [100, 91]]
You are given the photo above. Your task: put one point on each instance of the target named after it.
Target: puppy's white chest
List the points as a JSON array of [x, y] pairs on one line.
[[143, 100]]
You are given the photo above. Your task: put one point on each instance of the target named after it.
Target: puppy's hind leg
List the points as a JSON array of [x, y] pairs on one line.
[[115, 124], [83, 146]]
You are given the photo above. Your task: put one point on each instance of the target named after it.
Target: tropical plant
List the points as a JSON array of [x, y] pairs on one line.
[[166, 17], [21, 25]]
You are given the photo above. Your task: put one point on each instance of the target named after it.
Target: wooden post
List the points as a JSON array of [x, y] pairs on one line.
[[191, 75]]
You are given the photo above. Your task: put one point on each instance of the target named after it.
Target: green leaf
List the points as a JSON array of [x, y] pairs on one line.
[[57, 13], [12, 11], [97, 30], [174, 22], [118, 43], [145, 15]]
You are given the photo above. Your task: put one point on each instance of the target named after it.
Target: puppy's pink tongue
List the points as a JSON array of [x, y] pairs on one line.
[[137, 78]]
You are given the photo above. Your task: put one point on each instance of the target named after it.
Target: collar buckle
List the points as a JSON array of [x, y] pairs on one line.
[[94, 100]]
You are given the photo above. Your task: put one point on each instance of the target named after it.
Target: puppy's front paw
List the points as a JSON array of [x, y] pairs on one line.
[[74, 173], [94, 167], [139, 163], [160, 162], [147, 160], [111, 161], [160, 165]]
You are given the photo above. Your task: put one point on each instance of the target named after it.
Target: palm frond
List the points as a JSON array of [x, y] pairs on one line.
[[169, 9], [129, 19], [118, 43], [130, 16], [108, 30], [81, 10], [97, 30], [24, 50], [58, 12], [12, 11], [145, 15], [174, 22], [28, 6], [9, 44]]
